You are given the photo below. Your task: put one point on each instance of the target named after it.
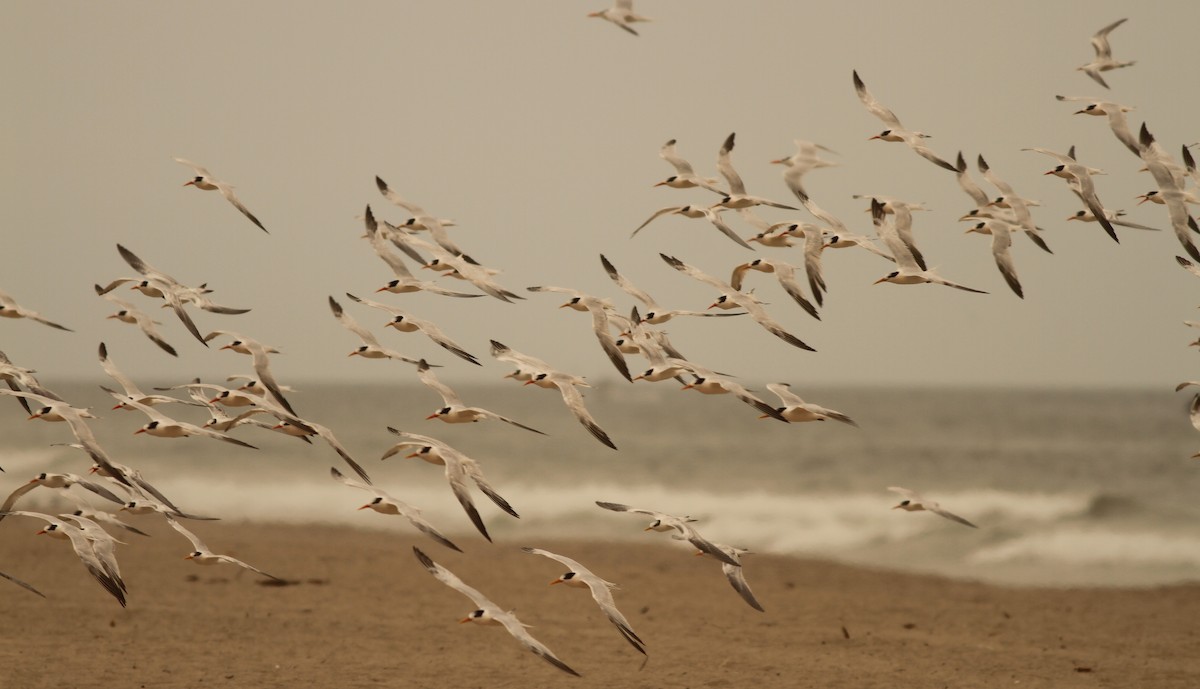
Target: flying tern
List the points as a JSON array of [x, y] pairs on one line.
[[579, 576], [489, 613], [204, 180], [895, 131], [9, 308], [459, 470], [1103, 61], [661, 521], [913, 502], [386, 504]]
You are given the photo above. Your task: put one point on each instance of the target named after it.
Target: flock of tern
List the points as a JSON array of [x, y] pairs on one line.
[[259, 403]]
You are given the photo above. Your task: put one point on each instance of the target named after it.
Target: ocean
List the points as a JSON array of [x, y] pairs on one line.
[[1084, 487]]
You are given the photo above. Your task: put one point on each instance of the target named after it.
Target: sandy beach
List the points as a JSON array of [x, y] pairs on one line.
[[362, 612]]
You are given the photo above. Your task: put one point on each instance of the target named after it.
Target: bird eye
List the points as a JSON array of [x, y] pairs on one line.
[[1060, 168], [444, 410]]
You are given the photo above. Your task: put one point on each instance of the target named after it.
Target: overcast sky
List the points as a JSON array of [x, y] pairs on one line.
[[537, 129]]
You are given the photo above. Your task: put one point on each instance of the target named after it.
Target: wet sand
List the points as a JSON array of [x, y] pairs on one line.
[[362, 612]]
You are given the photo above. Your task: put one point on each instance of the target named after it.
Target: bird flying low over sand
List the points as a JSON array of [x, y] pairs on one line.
[[661, 521], [579, 576], [459, 470], [489, 613], [203, 555]]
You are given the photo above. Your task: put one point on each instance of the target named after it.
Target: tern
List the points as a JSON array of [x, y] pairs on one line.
[[204, 180], [163, 426], [16, 376], [202, 555], [804, 160], [542, 375], [621, 14], [796, 410], [661, 521], [1114, 217], [732, 296], [909, 273], [259, 356], [490, 613], [1080, 178], [1115, 112], [84, 545], [579, 576], [737, 197], [655, 314], [60, 481], [985, 208], [1001, 243], [1023, 220], [405, 322], [1103, 61], [459, 469], [131, 314], [785, 273], [157, 284], [713, 215], [685, 177], [57, 410], [736, 575], [420, 217], [599, 309], [454, 411], [386, 504], [707, 382], [9, 308], [1170, 189], [370, 348], [913, 502], [132, 391], [896, 131], [404, 281], [840, 236]]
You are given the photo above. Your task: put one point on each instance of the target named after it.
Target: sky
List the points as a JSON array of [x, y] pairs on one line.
[[537, 130]]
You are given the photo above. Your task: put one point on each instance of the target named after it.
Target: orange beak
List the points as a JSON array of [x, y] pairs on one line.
[[415, 454], [40, 532], [188, 184], [431, 416], [874, 137], [556, 581], [648, 528], [660, 184], [381, 289], [689, 386], [140, 430], [187, 557], [879, 281], [464, 620], [118, 406], [364, 507], [528, 382]]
